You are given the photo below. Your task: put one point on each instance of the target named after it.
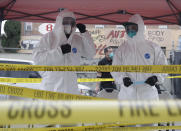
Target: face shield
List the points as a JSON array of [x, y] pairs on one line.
[[68, 23], [131, 29]]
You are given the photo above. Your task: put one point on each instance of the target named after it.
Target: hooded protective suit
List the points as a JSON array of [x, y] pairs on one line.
[[48, 52], [138, 51]]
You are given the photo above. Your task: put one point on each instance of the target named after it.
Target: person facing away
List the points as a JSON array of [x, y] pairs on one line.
[[63, 47]]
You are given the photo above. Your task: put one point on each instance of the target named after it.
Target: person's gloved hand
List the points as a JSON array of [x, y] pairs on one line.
[[81, 27], [151, 80], [66, 48], [127, 81]]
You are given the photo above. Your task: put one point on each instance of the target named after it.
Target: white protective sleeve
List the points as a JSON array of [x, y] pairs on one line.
[[88, 48], [160, 59], [44, 55]]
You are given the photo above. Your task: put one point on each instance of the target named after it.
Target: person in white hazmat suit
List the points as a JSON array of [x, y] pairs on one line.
[[136, 50], [62, 47]]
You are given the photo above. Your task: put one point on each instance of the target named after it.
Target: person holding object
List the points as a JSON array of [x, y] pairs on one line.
[[136, 50]]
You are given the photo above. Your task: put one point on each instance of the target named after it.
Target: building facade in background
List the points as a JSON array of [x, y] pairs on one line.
[[168, 37]]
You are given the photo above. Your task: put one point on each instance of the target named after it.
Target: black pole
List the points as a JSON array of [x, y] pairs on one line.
[[1, 19]]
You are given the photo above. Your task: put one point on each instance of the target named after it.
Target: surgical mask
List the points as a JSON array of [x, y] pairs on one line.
[[111, 55], [67, 29], [131, 33]]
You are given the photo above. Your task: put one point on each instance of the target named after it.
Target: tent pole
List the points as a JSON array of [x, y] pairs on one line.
[[174, 6], [9, 5], [152, 18], [87, 17], [36, 15], [171, 6], [179, 14], [112, 21], [29, 15], [1, 19]]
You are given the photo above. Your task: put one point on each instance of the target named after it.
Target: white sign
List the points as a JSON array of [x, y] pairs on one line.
[[45, 28]]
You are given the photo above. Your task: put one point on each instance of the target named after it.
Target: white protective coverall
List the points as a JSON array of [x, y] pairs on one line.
[[110, 95], [138, 51], [48, 52]]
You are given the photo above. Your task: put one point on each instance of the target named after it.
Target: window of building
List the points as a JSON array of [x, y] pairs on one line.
[[99, 26], [28, 26], [163, 27]]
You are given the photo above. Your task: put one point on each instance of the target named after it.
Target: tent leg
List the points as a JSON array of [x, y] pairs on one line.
[[1, 19]]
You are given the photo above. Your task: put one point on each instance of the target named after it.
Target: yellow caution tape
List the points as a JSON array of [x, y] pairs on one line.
[[174, 77], [107, 79], [20, 80], [151, 128], [72, 112], [169, 69], [39, 80], [74, 128], [41, 94], [94, 128], [94, 79]]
